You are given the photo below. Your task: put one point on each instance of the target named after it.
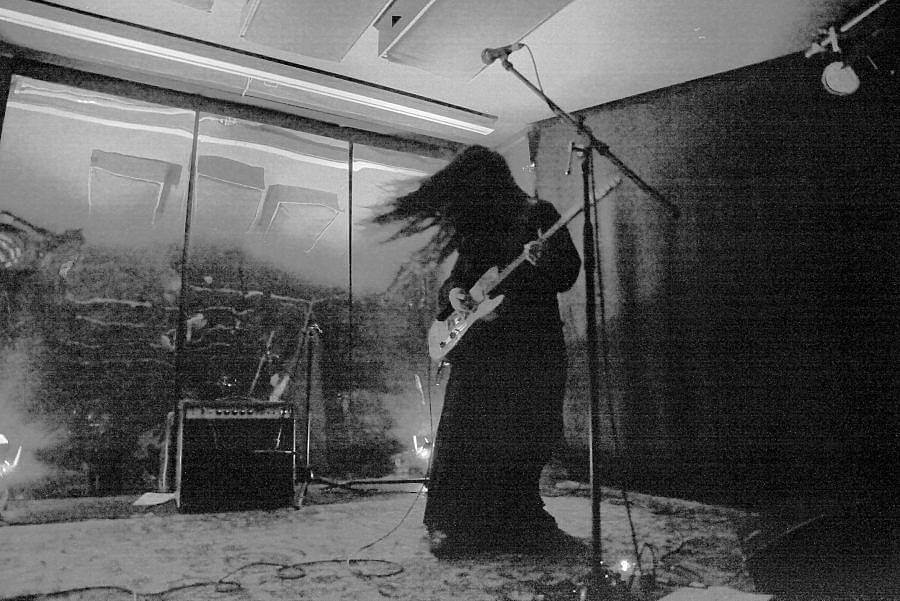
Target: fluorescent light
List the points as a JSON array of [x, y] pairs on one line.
[[358, 164], [178, 56]]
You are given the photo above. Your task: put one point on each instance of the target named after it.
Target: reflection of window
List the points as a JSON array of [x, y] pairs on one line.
[[300, 214], [230, 196], [128, 191]]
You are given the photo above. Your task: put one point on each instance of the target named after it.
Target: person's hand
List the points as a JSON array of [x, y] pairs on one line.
[[533, 251], [460, 300]]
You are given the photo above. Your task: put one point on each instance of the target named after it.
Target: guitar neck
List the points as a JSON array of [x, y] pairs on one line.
[[561, 222]]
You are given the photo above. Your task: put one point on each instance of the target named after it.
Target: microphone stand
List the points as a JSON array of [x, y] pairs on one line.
[[601, 578]]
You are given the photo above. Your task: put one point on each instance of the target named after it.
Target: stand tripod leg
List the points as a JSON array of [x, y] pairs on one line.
[[310, 330], [311, 479]]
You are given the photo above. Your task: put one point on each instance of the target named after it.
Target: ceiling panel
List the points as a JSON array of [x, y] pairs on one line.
[[446, 36], [325, 30], [204, 5]]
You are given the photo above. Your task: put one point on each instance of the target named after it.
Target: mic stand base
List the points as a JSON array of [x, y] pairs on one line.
[[349, 483], [603, 584], [300, 498]]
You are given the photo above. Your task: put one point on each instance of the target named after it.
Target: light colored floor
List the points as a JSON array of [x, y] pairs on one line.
[[303, 553]]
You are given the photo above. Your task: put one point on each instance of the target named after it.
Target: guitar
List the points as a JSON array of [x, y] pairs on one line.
[[445, 334]]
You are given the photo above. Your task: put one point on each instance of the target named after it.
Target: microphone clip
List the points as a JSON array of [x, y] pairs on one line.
[[573, 149], [489, 55]]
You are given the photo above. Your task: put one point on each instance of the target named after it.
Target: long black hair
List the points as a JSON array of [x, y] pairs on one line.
[[473, 196]]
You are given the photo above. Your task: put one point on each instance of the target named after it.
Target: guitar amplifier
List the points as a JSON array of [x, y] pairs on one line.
[[235, 454]]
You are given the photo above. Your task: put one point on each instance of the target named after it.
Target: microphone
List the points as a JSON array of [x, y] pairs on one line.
[[489, 55]]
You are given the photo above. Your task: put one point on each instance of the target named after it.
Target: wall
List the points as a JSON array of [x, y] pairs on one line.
[[750, 339]]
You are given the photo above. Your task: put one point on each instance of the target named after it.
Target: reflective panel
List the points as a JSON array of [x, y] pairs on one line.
[[268, 258], [133, 278], [279, 195], [92, 227], [395, 293], [115, 167], [378, 176]]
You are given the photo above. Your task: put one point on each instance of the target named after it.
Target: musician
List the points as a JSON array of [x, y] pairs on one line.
[[503, 406]]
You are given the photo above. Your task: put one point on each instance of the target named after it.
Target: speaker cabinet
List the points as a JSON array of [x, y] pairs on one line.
[[235, 454]]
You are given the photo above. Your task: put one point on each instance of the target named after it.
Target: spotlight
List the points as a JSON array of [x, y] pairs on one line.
[[423, 450], [840, 79], [6, 467], [625, 566]]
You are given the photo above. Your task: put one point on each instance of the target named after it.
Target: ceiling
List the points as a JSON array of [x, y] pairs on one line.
[[585, 52]]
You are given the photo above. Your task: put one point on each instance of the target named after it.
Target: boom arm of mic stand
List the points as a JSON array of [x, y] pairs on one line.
[[592, 140]]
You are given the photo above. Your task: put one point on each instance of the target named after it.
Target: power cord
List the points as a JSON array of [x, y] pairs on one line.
[[537, 75], [227, 583], [426, 399]]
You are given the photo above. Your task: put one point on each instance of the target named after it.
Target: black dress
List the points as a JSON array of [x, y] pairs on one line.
[[503, 405]]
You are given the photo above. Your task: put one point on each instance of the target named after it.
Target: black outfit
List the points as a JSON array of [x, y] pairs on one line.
[[503, 406]]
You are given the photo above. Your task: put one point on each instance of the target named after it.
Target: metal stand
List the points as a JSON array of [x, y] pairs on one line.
[[310, 331], [601, 582]]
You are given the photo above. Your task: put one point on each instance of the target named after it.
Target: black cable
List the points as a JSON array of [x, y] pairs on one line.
[[71, 591], [226, 584], [397, 569], [678, 567], [537, 76], [649, 547], [677, 548], [427, 471], [394, 529]]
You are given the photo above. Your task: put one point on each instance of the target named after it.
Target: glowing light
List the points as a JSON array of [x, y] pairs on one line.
[[840, 79], [422, 450], [625, 566], [319, 92], [6, 467]]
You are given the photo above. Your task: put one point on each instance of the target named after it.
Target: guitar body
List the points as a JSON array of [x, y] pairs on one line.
[[445, 334]]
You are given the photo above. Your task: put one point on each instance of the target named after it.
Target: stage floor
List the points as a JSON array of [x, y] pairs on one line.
[[344, 545]]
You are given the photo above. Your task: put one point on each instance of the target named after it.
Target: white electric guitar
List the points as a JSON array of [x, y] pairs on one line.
[[445, 334]]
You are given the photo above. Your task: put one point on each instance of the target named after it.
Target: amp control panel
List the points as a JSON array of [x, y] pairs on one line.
[[236, 409]]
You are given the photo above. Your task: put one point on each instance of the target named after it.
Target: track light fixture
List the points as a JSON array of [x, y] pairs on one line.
[[839, 76]]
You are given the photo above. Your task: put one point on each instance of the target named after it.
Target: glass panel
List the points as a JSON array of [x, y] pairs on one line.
[[394, 295], [290, 293], [268, 271], [94, 189], [277, 195]]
